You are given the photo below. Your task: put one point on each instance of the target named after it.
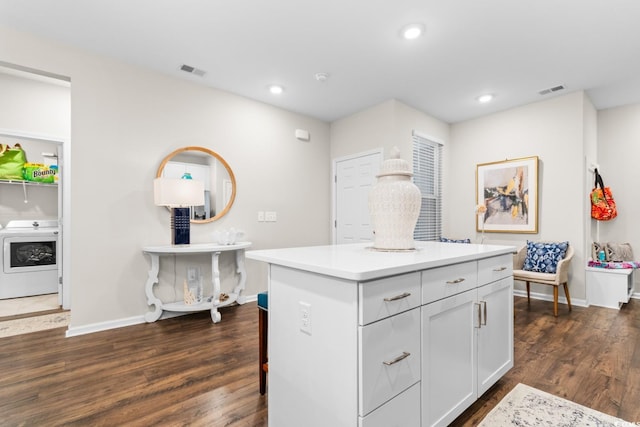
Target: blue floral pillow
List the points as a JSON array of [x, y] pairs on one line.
[[444, 239], [543, 257]]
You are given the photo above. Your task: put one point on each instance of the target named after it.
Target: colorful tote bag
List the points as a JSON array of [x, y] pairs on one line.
[[603, 207], [12, 160]]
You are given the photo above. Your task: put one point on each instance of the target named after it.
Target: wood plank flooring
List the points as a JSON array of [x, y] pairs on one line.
[[188, 371], [590, 356]]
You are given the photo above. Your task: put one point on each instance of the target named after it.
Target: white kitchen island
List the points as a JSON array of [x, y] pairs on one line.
[[364, 338]]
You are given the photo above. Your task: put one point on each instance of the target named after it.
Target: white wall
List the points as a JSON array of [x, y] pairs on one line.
[[34, 106], [385, 125], [618, 153], [554, 131], [124, 121]]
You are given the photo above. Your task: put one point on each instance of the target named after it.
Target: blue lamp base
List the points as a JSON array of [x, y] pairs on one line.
[[180, 222]]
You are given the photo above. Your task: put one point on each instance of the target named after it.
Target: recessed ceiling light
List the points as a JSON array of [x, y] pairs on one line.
[[483, 99], [276, 89], [412, 31]]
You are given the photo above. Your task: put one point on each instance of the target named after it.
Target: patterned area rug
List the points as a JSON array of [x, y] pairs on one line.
[[33, 324], [526, 406]]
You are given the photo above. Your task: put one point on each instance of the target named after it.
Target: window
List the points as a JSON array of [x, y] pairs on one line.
[[427, 176]]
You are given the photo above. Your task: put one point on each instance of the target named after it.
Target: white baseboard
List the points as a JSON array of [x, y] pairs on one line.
[[130, 321], [103, 326]]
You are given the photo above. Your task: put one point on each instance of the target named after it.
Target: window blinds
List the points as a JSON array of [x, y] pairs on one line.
[[427, 176]]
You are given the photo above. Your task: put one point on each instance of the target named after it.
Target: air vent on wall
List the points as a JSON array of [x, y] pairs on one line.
[[192, 70], [551, 90]]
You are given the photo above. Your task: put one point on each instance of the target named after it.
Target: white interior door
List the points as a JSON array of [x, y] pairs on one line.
[[354, 177]]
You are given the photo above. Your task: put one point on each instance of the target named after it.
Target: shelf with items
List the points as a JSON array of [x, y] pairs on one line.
[[182, 307], [207, 304], [25, 182]]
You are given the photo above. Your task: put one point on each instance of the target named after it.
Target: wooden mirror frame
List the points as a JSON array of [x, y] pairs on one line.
[[224, 163]]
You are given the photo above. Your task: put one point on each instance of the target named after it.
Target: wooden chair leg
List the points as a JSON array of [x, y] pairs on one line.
[[566, 293], [263, 325], [555, 301], [528, 293]]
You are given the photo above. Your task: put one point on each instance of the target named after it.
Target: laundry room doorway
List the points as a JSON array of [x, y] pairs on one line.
[[32, 220], [35, 115]]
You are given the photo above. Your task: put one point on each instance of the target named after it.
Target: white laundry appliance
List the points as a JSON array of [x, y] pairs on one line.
[[29, 258]]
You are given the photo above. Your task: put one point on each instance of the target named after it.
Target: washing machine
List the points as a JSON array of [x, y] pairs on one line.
[[29, 258]]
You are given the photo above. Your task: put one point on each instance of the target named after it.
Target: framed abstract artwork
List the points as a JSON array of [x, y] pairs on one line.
[[508, 191]]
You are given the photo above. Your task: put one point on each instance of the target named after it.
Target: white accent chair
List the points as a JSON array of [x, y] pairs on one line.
[[561, 276]]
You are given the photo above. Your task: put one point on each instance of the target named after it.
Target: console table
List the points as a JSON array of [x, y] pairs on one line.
[[156, 252]]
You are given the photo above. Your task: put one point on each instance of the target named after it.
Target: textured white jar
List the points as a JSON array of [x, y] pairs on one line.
[[394, 205]]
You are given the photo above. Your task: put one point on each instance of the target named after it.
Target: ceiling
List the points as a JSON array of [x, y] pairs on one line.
[[510, 48]]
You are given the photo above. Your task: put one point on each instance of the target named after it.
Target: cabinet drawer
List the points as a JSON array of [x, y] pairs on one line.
[[496, 268], [442, 282], [390, 353], [401, 411], [387, 297]]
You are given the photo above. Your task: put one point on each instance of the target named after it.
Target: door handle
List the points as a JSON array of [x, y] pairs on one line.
[[483, 322]]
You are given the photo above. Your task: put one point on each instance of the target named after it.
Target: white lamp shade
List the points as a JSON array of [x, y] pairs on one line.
[[178, 192]]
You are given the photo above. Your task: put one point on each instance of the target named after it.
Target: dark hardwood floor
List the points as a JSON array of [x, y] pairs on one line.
[[590, 356], [188, 371]]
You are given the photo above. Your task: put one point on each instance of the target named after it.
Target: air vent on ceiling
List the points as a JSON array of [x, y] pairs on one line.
[[552, 90], [192, 70]]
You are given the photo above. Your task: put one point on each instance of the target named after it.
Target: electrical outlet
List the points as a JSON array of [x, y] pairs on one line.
[[270, 216], [260, 216], [305, 317]]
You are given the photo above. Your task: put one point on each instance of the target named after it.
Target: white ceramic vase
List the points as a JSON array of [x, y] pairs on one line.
[[394, 205]]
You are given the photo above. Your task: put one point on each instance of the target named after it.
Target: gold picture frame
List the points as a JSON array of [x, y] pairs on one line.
[[508, 190]]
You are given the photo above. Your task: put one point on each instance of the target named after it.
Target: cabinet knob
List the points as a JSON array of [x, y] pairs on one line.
[[453, 282]]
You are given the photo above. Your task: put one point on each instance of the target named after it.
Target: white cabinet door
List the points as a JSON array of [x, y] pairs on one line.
[[495, 335], [449, 357]]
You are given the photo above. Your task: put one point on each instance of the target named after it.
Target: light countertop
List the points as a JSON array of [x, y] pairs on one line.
[[195, 248], [361, 262]]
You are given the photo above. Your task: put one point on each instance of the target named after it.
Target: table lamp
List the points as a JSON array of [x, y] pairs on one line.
[[179, 195]]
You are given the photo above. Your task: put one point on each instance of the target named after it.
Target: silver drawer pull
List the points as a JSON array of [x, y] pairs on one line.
[[500, 269], [403, 356], [453, 282], [397, 297]]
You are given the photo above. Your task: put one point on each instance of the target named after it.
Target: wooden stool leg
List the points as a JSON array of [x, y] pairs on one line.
[[555, 301], [263, 324], [566, 293]]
